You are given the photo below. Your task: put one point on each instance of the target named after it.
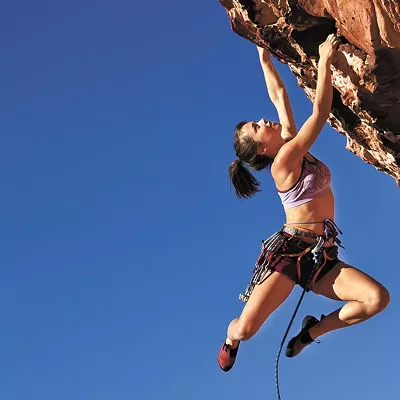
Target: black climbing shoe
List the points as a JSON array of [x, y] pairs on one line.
[[304, 337]]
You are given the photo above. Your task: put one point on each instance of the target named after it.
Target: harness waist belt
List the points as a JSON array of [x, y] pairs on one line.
[[295, 231]]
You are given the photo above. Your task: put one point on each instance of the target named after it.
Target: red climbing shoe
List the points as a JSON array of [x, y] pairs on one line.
[[227, 356]]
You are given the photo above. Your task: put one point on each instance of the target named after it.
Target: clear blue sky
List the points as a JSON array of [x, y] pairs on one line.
[[123, 247]]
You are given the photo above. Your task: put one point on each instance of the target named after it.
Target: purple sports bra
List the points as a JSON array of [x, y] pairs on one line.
[[315, 179]]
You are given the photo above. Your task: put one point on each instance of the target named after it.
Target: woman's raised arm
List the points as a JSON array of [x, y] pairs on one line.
[[293, 152], [278, 94]]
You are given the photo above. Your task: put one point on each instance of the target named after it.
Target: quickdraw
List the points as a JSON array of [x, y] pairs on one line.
[[263, 263]]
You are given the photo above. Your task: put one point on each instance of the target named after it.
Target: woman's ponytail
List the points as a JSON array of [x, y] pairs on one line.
[[245, 184]]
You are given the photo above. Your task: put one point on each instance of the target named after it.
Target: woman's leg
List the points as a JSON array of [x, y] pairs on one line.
[[366, 297], [264, 300]]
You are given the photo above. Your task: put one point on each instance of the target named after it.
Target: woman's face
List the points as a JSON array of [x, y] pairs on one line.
[[266, 134]]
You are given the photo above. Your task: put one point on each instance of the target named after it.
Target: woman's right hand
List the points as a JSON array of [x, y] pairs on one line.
[[328, 49], [263, 54]]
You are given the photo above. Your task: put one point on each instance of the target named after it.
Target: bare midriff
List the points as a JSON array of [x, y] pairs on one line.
[[316, 210]]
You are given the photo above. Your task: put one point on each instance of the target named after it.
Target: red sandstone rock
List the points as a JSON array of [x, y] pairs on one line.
[[366, 69]]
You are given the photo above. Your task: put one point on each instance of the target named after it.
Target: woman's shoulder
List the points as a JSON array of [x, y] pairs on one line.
[[286, 176]]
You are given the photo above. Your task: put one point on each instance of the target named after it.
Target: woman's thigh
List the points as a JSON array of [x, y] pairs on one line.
[[347, 283], [265, 299]]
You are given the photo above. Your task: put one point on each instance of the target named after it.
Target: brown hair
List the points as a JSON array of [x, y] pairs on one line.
[[245, 184]]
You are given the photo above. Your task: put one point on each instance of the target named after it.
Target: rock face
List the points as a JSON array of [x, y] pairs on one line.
[[366, 68]]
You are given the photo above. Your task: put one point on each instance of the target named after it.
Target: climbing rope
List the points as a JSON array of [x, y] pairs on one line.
[[317, 255], [283, 342]]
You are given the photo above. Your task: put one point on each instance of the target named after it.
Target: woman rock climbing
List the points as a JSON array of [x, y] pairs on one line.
[[305, 250]]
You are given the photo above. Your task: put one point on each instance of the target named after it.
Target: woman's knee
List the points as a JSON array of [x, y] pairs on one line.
[[378, 299], [246, 330]]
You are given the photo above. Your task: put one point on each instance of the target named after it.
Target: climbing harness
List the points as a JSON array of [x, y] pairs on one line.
[[265, 264]]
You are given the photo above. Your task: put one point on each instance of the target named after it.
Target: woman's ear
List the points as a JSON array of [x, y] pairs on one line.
[[261, 149]]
